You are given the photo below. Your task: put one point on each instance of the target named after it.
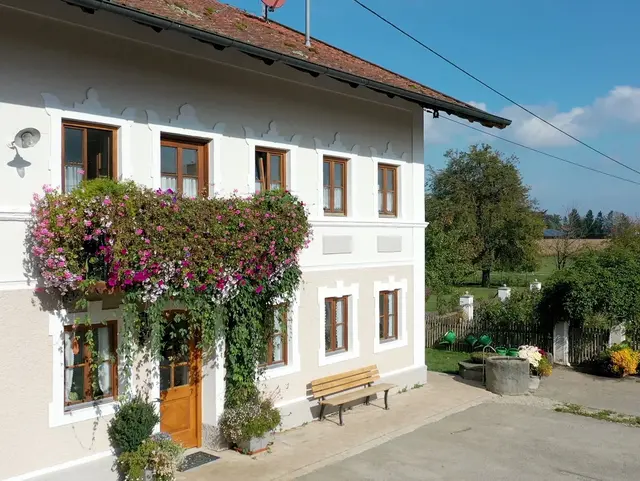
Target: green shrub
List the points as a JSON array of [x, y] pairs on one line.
[[132, 424], [251, 419], [162, 456], [520, 308]]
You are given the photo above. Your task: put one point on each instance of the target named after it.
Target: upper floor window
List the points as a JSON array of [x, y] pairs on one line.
[[334, 180], [277, 348], [336, 327], [85, 378], [387, 190], [88, 152], [388, 315], [183, 166], [270, 169]]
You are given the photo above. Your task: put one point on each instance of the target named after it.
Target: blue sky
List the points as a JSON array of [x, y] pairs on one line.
[[572, 62]]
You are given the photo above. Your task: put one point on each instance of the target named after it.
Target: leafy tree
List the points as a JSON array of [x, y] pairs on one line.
[[588, 224], [608, 223], [553, 221], [481, 198], [574, 221]]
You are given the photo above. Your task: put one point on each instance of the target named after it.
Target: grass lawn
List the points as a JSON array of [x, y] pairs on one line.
[[441, 360]]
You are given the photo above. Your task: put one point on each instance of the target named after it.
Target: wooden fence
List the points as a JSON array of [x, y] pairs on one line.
[[586, 343], [502, 335]]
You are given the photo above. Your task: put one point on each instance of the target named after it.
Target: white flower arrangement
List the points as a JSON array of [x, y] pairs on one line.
[[532, 354]]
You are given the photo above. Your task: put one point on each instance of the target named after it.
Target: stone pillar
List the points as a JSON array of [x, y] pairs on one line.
[[617, 334], [466, 302], [561, 343], [536, 285], [504, 292]]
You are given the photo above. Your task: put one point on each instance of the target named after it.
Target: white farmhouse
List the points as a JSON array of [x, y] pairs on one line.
[[126, 88]]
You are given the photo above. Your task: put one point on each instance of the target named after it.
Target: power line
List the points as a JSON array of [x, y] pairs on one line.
[[542, 152], [407, 34]]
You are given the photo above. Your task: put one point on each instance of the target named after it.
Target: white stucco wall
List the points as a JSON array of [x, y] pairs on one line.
[[146, 83]]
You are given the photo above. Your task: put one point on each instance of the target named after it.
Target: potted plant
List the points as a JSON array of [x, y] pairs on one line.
[[249, 424], [534, 355], [157, 459]]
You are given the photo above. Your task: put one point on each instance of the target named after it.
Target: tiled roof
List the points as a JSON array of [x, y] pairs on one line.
[[249, 30]]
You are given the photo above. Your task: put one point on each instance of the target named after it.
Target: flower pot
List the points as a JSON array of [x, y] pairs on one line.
[[149, 475], [255, 445], [534, 383]]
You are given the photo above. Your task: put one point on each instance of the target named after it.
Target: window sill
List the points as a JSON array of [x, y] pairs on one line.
[[326, 359], [273, 372], [335, 214], [58, 416], [388, 345]]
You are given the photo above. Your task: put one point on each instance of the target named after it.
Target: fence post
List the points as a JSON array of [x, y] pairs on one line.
[[617, 334], [504, 292], [466, 302], [536, 285], [561, 343]]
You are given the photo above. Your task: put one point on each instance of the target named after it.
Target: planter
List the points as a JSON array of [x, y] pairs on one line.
[[149, 475], [534, 383], [255, 445], [507, 375]]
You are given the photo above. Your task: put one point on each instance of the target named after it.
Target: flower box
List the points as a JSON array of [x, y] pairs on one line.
[[255, 445]]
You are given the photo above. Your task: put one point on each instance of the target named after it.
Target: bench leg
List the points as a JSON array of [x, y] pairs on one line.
[[340, 415], [321, 412], [366, 401], [386, 402]]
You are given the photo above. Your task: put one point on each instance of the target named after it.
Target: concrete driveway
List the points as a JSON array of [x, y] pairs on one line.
[[500, 441]]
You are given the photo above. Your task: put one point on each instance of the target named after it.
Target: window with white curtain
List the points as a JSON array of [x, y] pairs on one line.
[[336, 327], [88, 152], [90, 366], [334, 182], [387, 190], [183, 165], [277, 346]]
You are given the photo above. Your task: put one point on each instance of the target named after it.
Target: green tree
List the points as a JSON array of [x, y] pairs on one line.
[[553, 221], [608, 223], [588, 224], [598, 226], [480, 196], [574, 222]]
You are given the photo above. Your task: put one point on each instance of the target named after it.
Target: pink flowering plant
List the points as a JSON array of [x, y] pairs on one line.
[[224, 259]]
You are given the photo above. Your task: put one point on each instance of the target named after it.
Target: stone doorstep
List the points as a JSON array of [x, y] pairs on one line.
[[304, 449]]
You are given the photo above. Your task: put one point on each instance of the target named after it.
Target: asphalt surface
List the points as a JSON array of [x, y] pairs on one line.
[[498, 441]]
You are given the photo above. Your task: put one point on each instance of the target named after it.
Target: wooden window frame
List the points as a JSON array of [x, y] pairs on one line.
[[283, 336], [331, 322], [384, 212], [86, 365], [84, 126], [265, 173], [179, 143], [332, 161], [384, 315]]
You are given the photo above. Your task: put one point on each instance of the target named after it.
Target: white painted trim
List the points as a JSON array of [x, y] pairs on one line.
[[338, 150], [402, 370], [62, 466], [219, 379], [393, 223], [57, 414], [402, 336], [355, 265], [354, 338], [186, 124], [11, 213], [282, 404], [89, 110], [16, 285], [293, 344], [272, 139]]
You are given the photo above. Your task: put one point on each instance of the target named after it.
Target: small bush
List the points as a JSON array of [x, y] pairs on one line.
[[132, 424], [251, 419], [162, 456], [545, 368], [625, 361], [479, 357]]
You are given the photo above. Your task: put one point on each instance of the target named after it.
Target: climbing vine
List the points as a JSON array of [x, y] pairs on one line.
[[221, 264]]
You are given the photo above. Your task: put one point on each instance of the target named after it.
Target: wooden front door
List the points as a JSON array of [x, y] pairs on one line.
[[180, 386]]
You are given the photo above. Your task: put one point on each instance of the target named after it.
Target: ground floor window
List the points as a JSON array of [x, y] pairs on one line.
[[336, 328], [87, 378], [388, 315], [277, 346]]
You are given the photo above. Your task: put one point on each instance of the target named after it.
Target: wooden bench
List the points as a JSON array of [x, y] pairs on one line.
[[350, 382]]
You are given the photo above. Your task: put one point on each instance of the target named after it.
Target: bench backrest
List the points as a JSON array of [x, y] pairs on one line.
[[344, 381]]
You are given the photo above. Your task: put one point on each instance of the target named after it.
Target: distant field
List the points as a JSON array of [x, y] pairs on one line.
[[547, 246]]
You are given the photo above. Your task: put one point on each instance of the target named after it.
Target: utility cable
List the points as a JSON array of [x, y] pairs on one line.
[[542, 152], [407, 34]]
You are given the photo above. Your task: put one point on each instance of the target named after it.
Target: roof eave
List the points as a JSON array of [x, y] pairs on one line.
[[159, 23]]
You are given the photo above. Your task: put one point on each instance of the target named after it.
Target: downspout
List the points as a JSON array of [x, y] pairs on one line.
[[307, 29]]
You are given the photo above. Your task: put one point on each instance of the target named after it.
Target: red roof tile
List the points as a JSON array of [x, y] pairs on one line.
[[233, 23]]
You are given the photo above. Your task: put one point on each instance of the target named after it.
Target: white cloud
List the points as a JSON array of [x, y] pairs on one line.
[[621, 106]]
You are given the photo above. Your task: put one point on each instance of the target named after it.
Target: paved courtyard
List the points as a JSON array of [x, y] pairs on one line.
[[499, 441]]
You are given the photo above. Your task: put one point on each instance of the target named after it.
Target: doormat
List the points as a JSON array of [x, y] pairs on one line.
[[196, 460]]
